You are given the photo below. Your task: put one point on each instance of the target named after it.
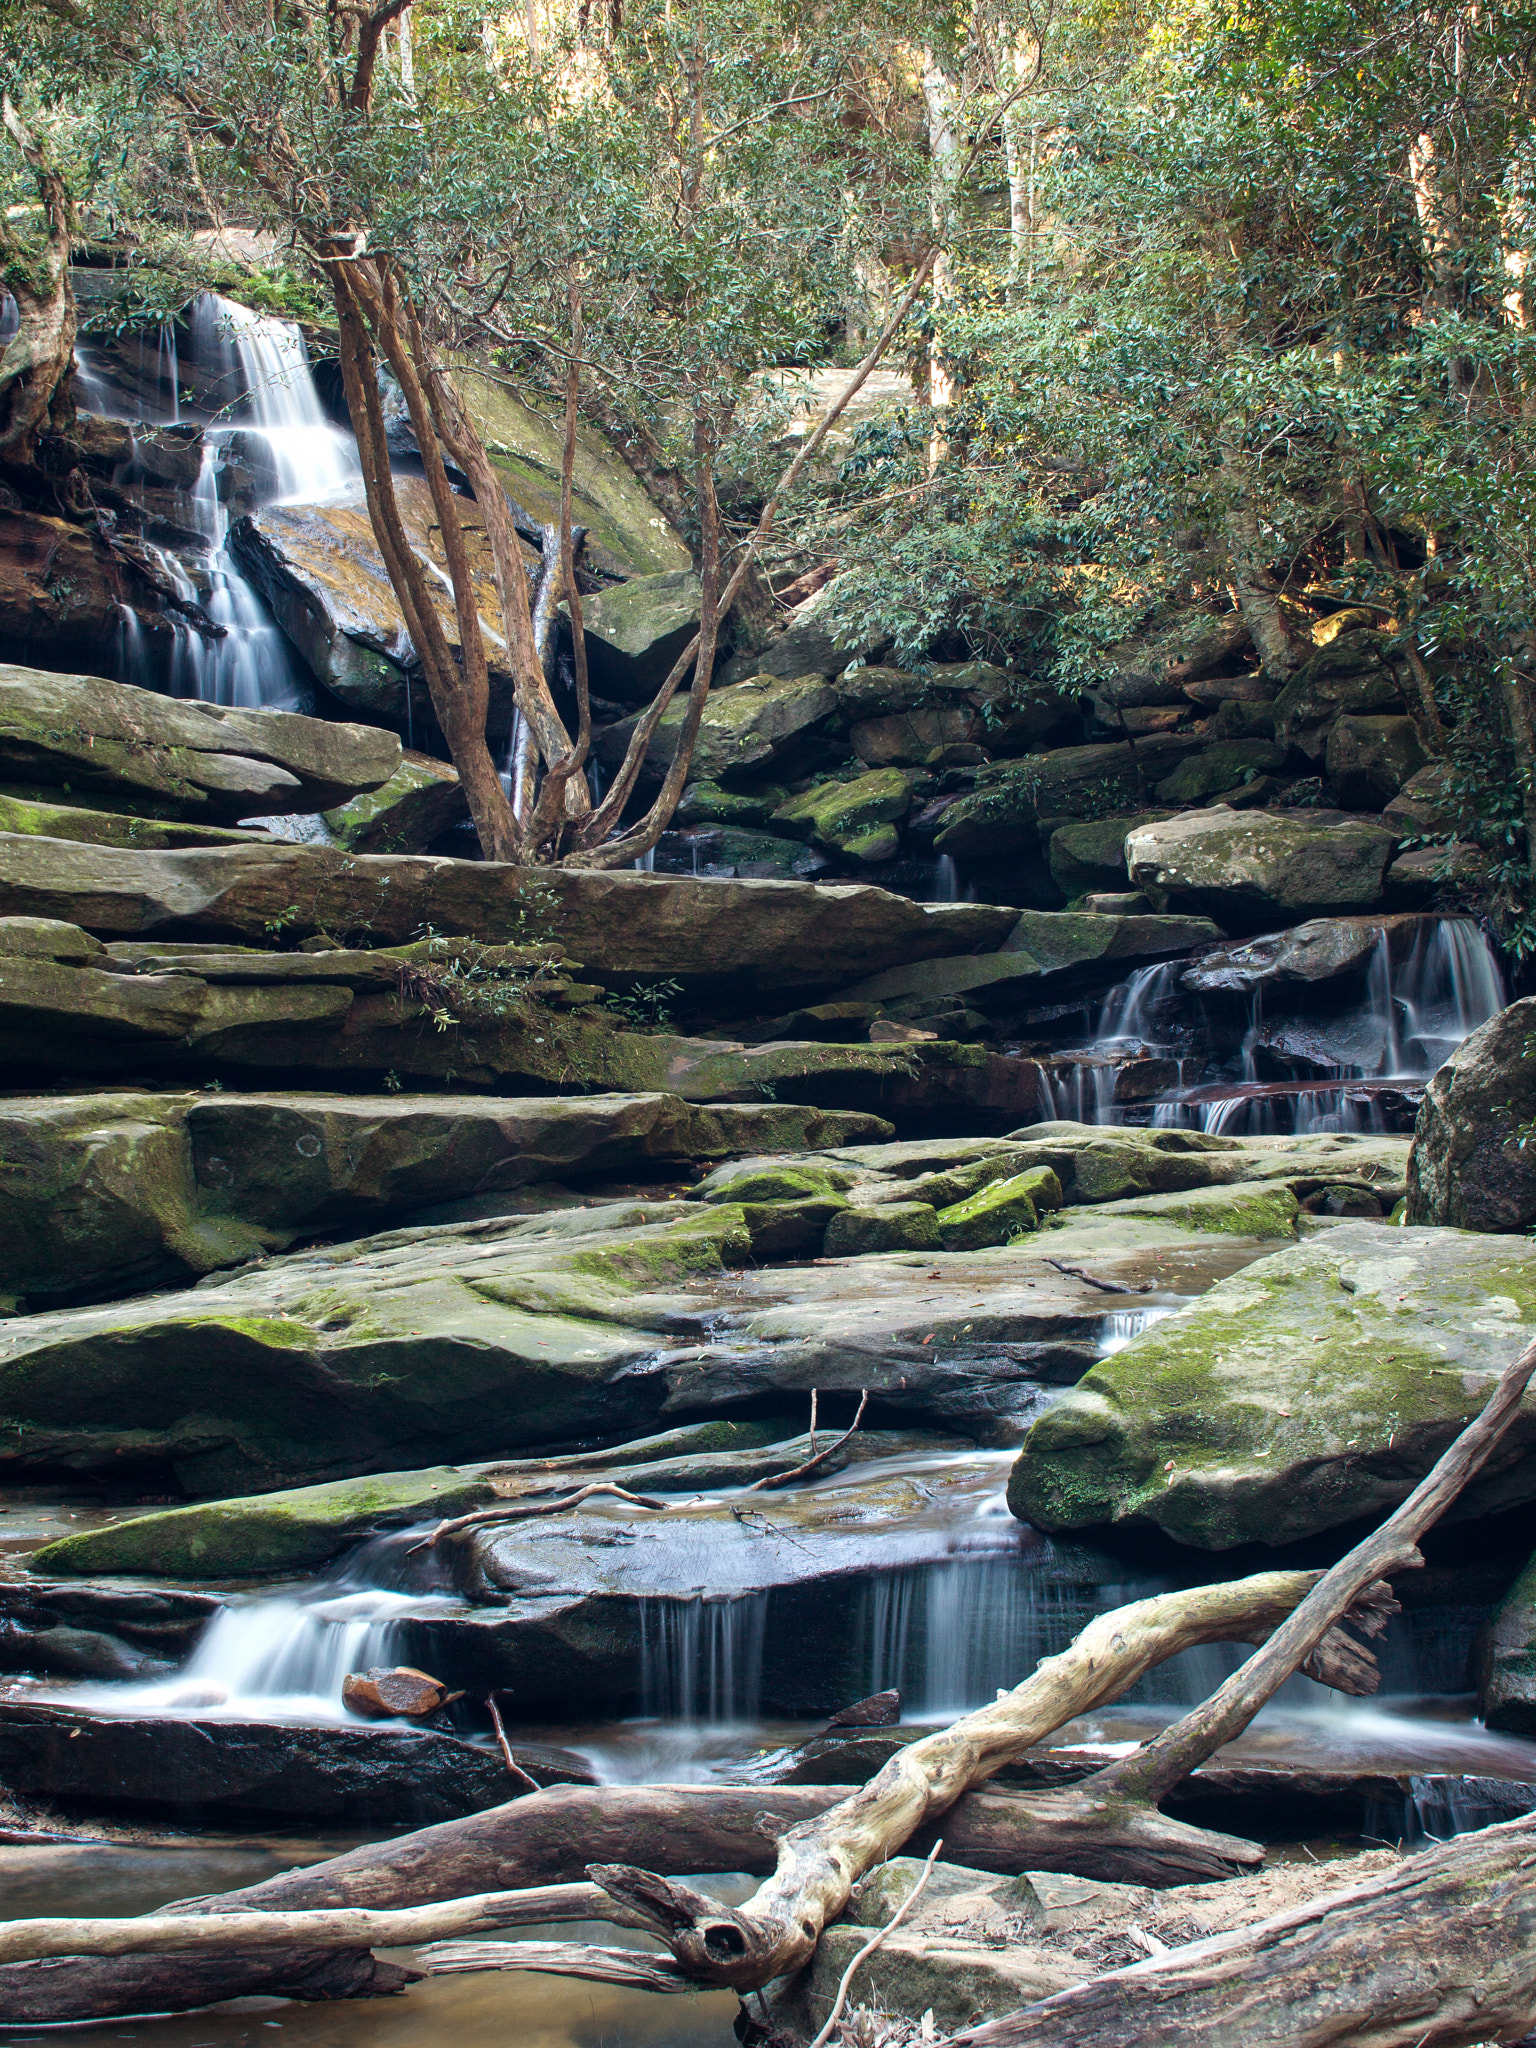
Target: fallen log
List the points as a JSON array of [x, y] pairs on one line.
[[77, 1988], [821, 1860], [1438, 1953]]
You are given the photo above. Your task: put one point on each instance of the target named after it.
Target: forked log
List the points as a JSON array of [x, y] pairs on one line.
[[821, 1860], [1439, 1953]]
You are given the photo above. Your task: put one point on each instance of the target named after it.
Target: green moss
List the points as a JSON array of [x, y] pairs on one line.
[[1003, 1210]]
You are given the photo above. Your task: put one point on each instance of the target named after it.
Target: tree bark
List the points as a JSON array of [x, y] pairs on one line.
[[1439, 1953], [36, 360]]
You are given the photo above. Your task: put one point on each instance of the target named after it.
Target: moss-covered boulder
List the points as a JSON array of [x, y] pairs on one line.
[[36, 812], [856, 818], [421, 800], [893, 1227], [1311, 1390], [747, 728], [1226, 766], [1012, 797], [1244, 1210], [90, 738], [1255, 868], [707, 803], [1088, 855], [1000, 1211], [1348, 677], [636, 630]]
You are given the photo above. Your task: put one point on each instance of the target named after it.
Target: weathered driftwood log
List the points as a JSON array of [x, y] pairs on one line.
[[1439, 1953], [79, 1988], [821, 1860]]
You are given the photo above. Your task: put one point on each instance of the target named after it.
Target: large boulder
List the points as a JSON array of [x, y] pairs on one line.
[[1370, 759], [745, 728], [175, 758], [617, 923], [1011, 798], [1473, 1165], [1088, 856], [1325, 949], [62, 590], [1348, 677], [319, 568], [635, 631], [38, 815], [1257, 868], [420, 801], [1221, 769], [1312, 1390], [1504, 1660], [857, 819]]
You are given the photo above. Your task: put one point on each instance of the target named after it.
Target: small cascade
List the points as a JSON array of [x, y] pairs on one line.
[[1354, 1069], [276, 396], [946, 880], [284, 1657], [702, 1660], [647, 861]]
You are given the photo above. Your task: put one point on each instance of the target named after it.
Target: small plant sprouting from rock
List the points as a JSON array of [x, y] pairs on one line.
[[648, 1005]]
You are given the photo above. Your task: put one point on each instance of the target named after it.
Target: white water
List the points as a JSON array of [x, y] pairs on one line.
[[702, 1660], [283, 1657], [278, 402], [1412, 1017]]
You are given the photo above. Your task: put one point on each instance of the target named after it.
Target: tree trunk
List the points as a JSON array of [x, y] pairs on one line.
[[36, 360], [1439, 1953]]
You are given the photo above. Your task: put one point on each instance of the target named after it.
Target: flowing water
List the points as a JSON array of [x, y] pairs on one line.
[[1289, 1068]]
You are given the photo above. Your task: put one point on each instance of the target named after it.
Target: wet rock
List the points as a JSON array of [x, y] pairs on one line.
[[1324, 949], [754, 725], [64, 1652], [245, 1769], [706, 803], [1349, 677], [636, 630], [879, 1710], [1431, 877], [1245, 1210], [1469, 1167], [320, 571], [1250, 868], [1504, 1660], [396, 1691], [893, 1227], [1370, 759], [1011, 798], [302, 1529], [793, 935], [420, 801], [62, 590], [856, 819], [173, 757], [1314, 1389]]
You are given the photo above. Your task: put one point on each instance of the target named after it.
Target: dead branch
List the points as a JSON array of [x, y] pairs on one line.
[[526, 1510], [515, 1770], [775, 1479], [1438, 1953], [821, 1860], [630, 1967]]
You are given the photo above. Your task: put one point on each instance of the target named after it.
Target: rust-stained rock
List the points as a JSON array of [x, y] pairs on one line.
[[382, 1693]]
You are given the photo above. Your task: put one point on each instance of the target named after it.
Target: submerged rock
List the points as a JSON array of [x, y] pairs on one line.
[[1471, 1165], [1312, 1390]]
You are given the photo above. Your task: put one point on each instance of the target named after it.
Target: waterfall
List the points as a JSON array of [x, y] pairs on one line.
[[277, 399], [284, 1656], [946, 880], [702, 1660]]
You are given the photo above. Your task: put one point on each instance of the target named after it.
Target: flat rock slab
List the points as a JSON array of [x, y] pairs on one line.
[[271, 1769], [1314, 1389], [103, 1194], [621, 924], [216, 763]]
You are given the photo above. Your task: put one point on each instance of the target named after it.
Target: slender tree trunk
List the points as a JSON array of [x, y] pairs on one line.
[[35, 362], [941, 103]]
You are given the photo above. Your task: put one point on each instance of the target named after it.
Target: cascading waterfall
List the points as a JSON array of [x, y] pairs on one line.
[[702, 1660], [1413, 1015], [284, 1657]]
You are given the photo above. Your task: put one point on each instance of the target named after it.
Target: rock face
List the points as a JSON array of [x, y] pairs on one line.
[[791, 934], [1255, 868], [1469, 1167], [320, 571], [139, 751], [1013, 798], [103, 1194], [62, 591], [1314, 1389]]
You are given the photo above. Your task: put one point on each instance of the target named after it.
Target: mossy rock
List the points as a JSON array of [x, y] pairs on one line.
[[45, 818], [848, 816], [420, 800], [1312, 1390], [1245, 1210], [1001, 1211], [772, 1184], [893, 1227], [1220, 768], [706, 803], [1088, 856]]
